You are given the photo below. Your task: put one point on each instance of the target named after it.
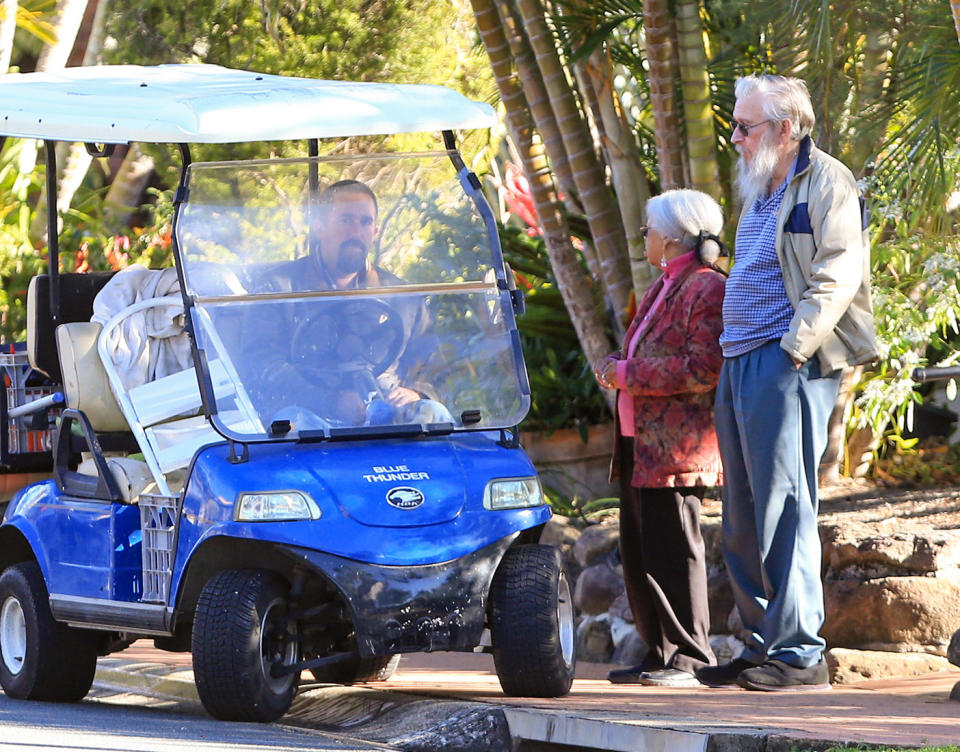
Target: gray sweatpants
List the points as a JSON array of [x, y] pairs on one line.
[[772, 429]]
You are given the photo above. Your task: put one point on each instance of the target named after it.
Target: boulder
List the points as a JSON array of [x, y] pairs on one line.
[[561, 532], [620, 608], [712, 542], [953, 649], [720, 598], [596, 541], [848, 666], [597, 588], [726, 647], [594, 643], [630, 651], [858, 551], [892, 613]]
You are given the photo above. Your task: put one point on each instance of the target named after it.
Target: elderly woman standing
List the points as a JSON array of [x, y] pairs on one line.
[[666, 448]]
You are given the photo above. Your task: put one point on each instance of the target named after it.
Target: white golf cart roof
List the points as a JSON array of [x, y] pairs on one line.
[[210, 104]]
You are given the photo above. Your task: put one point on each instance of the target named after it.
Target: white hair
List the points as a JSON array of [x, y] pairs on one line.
[[784, 98], [682, 214]]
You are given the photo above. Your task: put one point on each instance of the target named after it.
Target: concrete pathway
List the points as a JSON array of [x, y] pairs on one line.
[[913, 711]]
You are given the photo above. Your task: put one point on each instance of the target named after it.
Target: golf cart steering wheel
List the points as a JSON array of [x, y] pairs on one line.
[[348, 337]]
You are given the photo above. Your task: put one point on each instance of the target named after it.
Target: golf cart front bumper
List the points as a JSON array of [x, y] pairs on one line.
[[410, 609]]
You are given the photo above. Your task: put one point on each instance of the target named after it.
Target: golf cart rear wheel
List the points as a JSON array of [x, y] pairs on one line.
[[241, 634], [40, 659], [531, 623], [374, 669]]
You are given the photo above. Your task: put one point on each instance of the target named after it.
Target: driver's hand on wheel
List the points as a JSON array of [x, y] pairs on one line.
[[401, 395]]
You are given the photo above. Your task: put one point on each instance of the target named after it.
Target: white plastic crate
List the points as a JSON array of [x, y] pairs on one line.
[[21, 438], [159, 521]]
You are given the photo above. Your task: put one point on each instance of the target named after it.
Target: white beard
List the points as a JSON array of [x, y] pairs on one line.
[[753, 177]]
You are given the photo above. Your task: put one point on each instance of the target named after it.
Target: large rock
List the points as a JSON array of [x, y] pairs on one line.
[[713, 545], [596, 541], [594, 642], [858, 551], [725, 647], [561, 532], [597, 588], [630, 651], [620, 608], [953, 649], [720, 598], [848, 666], [892, 613]]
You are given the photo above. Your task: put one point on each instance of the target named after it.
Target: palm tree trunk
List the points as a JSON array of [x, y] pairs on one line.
[[602, 212], [127, 187], [66, 24], [955, 7], [573, 283], [535, 92], [54, 56], [697, 105], [662, 78], [625, 168], [8, 25]]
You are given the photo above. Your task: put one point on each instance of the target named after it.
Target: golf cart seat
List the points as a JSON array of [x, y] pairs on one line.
[[77, 292], [161, 414]]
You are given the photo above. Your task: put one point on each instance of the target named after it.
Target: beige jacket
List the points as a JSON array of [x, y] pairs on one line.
[[824, 251]]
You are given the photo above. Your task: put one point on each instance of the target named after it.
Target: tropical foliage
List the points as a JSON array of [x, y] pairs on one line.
[[654, 79]]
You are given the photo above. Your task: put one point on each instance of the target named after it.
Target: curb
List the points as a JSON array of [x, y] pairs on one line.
[[417, 723]]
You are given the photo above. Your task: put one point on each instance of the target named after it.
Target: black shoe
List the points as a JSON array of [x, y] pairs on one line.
[[724, 675], [631, 675], [777, 676]]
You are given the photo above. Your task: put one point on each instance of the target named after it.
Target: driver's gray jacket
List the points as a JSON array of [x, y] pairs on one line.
[[270, 335]]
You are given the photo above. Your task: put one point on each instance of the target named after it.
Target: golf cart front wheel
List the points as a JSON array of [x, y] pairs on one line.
[[241, 637], [532, 623], [40, 658]]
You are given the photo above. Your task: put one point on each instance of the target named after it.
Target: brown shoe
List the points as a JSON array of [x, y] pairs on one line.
[[724, 675], [777, 676]]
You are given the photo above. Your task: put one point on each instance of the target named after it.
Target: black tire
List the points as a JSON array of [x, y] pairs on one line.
[[240, 631], [374, 669], [40, 659], [531, 623]]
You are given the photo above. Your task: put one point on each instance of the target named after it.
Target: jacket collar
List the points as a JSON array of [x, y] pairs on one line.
[[803, 155]]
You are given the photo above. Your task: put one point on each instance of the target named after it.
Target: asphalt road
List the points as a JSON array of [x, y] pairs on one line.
[[132, 723]]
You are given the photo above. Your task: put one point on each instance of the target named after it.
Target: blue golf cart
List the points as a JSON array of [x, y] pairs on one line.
[[279, 464]]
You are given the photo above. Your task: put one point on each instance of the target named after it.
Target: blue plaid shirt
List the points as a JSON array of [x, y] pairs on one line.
[[755, 306]]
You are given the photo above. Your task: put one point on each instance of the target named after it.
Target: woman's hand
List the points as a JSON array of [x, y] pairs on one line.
[[605, 371]]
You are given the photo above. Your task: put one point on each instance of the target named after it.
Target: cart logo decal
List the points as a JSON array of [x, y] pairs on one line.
[[404, 497]]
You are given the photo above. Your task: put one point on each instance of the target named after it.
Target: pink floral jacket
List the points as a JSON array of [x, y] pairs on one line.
[[672, 376]]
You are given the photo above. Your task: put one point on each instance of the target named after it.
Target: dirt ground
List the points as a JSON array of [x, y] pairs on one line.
[[890, 509]]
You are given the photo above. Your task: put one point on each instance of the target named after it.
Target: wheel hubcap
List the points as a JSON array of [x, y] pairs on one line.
[[13, 635], [565, 620], [278, 645]]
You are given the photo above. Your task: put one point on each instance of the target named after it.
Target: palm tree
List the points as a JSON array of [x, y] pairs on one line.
[[8, 25], [697, 102], [574, 284], [602, 212], [662, 78], [955, 7]]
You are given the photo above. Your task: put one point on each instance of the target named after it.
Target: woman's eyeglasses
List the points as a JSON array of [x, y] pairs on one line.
[[643, 231], [745, 129]]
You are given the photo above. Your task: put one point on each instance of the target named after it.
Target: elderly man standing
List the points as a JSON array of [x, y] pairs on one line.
[[797, 311]]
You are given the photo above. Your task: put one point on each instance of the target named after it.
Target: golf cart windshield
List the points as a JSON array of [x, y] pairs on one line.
[[347, 296]]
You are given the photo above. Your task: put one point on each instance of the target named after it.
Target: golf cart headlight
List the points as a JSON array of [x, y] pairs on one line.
[[513, 493], [276, 506]]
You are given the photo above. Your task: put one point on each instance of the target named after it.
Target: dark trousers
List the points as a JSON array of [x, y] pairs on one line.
[[664, 570]]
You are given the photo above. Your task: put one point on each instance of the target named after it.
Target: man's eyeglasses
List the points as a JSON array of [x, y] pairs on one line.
[[745, 129]]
